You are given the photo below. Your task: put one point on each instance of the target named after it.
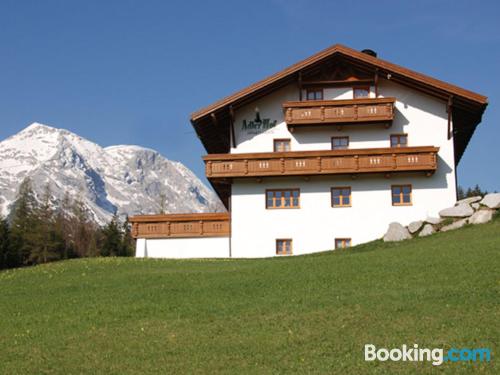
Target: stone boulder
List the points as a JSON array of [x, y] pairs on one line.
[[475, 206], [427, 230], [491, 200], [455, 225], [433, 220], [469, 200], [481, 217], [415, 226], [396, 232], [462, 210]]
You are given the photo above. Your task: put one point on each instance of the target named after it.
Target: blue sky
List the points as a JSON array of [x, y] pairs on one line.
[[131, 72]]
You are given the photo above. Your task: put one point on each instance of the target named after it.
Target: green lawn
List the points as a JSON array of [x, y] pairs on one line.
[[309, 314]]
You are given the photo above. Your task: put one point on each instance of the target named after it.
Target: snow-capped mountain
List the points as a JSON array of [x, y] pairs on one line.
[[124, 179]]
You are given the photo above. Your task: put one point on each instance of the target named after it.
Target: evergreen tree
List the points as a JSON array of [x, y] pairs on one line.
[[112, 243], [162, 203], [62, 227], [49, 243], [470, 192], [127, 248], [5, 248], [24, 220], [82, 231], [476, 191]]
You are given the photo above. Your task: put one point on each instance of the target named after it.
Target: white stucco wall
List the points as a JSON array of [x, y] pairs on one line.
[[316, 224], [421, 116], [336, 93], [202, 247]]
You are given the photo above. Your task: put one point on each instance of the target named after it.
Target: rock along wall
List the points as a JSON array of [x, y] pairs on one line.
[[472, 210]]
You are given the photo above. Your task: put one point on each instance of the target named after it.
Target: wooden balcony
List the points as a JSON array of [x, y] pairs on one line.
[[181, 225], [327, 162], [339, 112]]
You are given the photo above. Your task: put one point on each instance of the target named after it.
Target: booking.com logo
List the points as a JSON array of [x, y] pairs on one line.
[[436, 356]]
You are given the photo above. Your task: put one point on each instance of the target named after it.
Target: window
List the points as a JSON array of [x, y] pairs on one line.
[[314, 94], [401, 195], [283, 198], [281, 145], [341, 197], [361, 92], [342, 243], [340, 143], [284, 247], [399, 140]]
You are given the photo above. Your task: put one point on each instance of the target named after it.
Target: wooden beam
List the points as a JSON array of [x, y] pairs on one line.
[[449, 110], [300, 86], [376, 82], [231, 124], [338, 83]]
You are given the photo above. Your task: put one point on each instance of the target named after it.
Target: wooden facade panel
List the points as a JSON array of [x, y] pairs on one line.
[[309, 165], [333, 164], [228, 167], [263, 167], [382, 112], [376, 162], [339, 113], [416, 160], [304, 115]]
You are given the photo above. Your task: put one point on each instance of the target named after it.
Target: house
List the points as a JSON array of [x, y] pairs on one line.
[[321, 155]]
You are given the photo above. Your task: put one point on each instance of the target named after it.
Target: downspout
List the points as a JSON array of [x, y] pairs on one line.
[[450, 135], [230, 221]]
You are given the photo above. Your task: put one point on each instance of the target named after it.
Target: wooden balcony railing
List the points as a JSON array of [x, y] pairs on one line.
[[181, 225], [307, 163], [339, 112]]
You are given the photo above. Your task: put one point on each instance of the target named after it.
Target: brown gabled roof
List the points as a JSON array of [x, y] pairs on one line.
[[421, 80]]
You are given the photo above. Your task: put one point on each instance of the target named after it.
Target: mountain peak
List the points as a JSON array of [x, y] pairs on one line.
[[127, 179], [131, 148], [36, 126]]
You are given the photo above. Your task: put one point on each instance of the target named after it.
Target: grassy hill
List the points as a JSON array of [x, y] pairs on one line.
[[310, 314]]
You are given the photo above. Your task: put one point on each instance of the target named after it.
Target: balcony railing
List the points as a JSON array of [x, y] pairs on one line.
[[339, 112], [306, 163], [181, 225]]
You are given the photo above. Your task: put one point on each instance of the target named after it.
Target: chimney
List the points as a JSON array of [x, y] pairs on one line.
[[370, 52]]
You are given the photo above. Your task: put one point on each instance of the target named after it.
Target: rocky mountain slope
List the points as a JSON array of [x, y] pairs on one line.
[[124, 179]]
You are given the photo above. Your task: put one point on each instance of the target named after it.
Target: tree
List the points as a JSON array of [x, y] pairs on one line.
[[83, 231], [470, 192], [24, 220], [112, 243], [162, 203], [5, 248], [127, 248], [62, 227], [49, 243], [475, 191]]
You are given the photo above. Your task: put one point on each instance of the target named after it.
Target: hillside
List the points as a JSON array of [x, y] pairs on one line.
[[125, 179], [309, 314]]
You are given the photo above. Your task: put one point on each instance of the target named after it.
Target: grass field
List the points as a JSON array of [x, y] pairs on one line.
[[310, 314]]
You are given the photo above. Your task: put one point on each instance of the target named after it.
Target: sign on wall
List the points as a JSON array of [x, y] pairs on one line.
[[257, 125]]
